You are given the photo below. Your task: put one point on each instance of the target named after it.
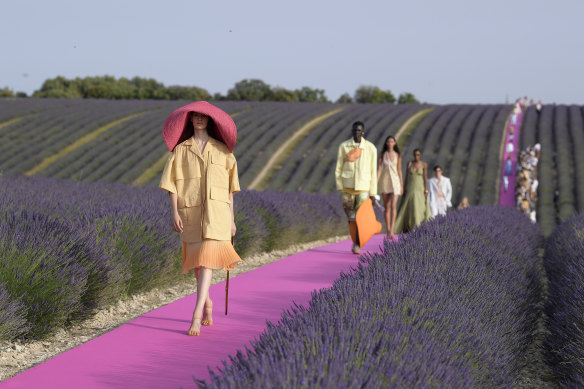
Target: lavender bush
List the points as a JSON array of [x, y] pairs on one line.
[[564, 263], [68, 248], [447, 306]]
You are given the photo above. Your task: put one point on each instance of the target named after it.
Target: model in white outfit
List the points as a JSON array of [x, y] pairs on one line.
[[439, 193]]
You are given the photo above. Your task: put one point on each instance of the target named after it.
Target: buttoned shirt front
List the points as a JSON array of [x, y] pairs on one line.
[[202, 182], [360, 175]]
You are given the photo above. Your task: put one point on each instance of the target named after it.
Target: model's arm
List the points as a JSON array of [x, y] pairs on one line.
[[406, 180], [399, 172], [339, 169], [177, 223], [379, 161], [233, 228], [373, 183], [426, 178]]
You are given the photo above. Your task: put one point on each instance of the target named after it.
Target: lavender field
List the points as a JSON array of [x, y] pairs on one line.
[[69, 248], [449, 306], [453, 304], [564, 262]]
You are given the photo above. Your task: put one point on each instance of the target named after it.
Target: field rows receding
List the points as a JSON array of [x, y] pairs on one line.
[[560, 131], [464, 139], [122, 153], [25, 143]]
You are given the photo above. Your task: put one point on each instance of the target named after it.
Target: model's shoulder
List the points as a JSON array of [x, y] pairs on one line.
[[370, 145], [184, 143], [219, 146], [348, 142]]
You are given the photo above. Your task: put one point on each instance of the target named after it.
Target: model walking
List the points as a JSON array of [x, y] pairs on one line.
[[390, 181], [201, 177]]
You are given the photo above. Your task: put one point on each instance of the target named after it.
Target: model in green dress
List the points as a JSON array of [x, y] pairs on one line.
[[414, 208]]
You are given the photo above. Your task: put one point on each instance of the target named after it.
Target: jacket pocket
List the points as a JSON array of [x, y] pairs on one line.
[[220, 194], [219, 159]]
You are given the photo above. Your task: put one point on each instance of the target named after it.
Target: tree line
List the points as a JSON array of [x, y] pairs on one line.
[[108, 87]]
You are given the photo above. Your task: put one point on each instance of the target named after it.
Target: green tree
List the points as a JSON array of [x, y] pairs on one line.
[[250, 90], [59, 87], [373, 94], [176, 92], [407, 98], [309, 95], [345, 98], [6, 92], [283, 94]]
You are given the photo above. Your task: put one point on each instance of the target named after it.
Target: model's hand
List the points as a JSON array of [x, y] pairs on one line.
[[426, 194], [177, 223], [233, 228]]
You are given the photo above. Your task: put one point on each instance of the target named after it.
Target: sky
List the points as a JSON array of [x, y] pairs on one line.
[[442, 51]]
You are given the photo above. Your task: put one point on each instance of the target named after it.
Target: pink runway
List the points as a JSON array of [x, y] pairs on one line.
[[507, 197], [153, 350]]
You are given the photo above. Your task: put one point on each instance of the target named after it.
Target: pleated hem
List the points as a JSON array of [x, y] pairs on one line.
[[212, 254]]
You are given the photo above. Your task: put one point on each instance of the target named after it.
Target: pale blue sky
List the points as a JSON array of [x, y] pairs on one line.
[[451, 51]]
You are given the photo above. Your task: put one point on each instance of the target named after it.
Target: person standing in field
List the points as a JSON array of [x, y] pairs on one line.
[[201, 177], [356, 175], [414, 208], [439, 193], [389, 175]]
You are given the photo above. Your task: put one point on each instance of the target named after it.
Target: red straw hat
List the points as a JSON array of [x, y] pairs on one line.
[[221, 127]]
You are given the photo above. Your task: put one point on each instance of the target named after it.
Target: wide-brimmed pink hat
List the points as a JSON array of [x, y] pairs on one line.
[[221, 127]]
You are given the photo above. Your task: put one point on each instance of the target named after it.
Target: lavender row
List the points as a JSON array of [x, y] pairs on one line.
[[69, 248], [448, 306], [564, 263]]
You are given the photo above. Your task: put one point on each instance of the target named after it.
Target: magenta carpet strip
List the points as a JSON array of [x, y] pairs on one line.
[[507, 196], [153, 350]]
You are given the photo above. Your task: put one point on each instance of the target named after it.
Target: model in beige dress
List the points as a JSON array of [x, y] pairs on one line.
[[390, 181]]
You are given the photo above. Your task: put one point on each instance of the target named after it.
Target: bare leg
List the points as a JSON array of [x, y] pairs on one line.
[[208, 311], [393, 214], [386, 198], [203, 284]]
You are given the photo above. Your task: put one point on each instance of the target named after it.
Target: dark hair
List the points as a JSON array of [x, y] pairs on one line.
[[437, 167], [359, 123], [190, 130], [417, 150], [395, 147]]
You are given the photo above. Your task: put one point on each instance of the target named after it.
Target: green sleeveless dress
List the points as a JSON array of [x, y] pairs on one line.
[[414, 208]]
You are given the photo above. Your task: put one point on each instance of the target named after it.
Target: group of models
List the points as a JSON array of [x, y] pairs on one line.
[[359, 173], [201, 177]]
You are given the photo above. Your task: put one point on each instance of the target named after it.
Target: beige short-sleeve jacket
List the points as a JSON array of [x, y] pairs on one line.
[[202, 183]]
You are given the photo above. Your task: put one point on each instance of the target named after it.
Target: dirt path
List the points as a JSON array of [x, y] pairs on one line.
[[16, 357], [280, 155], [11, 121], [413, 119]]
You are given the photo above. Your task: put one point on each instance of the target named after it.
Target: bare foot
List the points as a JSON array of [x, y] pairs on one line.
[[208, 315], [195, 329]]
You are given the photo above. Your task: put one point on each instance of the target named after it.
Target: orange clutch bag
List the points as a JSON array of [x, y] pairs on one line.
[[353, 155]]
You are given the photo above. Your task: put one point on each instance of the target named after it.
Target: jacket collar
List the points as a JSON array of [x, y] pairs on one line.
[[211, 145], [351, 142]]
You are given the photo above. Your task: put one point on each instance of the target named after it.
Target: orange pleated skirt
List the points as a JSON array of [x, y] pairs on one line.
[[212, 254]]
